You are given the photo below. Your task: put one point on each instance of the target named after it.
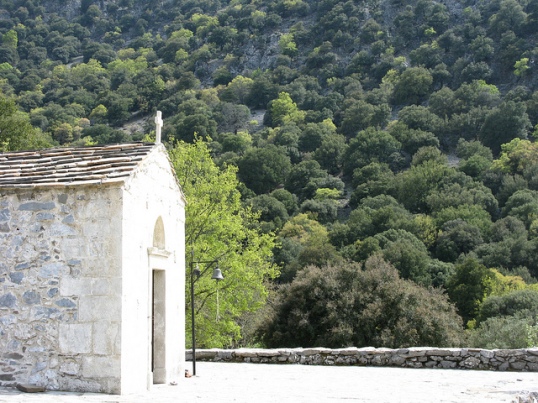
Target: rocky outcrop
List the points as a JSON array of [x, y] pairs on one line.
[[416, 357]]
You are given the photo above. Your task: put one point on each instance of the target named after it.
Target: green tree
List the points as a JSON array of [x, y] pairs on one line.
[[238, 90], [414, 185], [521, 66], [475, 94], [150, 87], [330, 154], [440, 272], [261, 92], [369, 146], [483, 48], [378, 214], [303, 241], [349, 305], [16, 131], [272, 212], [362, 115], [219, 228], [509, 17], [523, 205], [407, 253], [99, 113], [284, 110], [195, 117], [461, 191], [426, 55], [117, 107], [516, 254], [371, 180], [287, 45], [223, 37], [287, 198], [9, 55], [457, 237], [475, 158], [10, 39], [221, 76], [287, 136], [301, 177], [412, 139], [314, 133], [516, 303], [467, 149], [502, 124], [104, 134], [413, 86], [63, 133], [517, 156], [418, 117], [264, 169], [467, 288], [235, 142], [231, 117], [323, 210], [505, 332]]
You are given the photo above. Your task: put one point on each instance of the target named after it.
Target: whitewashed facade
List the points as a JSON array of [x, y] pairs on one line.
[[92, 269]]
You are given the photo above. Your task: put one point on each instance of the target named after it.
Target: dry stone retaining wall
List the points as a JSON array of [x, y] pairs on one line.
[[417, 357]]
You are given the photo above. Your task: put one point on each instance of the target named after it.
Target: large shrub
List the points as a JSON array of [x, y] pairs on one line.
[[359, 305], [505, 332]]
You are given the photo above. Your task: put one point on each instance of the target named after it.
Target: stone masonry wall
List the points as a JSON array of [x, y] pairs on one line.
[[423, 357], [60, 309]]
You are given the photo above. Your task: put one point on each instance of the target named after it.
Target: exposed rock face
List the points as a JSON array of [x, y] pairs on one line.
[[421, 357], [67, 8], [70, 9]]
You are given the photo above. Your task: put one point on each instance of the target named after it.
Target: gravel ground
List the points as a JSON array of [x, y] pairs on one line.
[[264, 383]]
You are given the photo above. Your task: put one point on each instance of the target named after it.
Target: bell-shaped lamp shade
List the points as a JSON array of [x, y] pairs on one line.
[[217, 274], [196, 272]]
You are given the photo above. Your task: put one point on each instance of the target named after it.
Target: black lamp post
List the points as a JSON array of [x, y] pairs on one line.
[[195, 271]]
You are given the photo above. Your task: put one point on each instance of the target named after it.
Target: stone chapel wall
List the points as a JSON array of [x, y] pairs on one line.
[[60, 288], [152, 194]]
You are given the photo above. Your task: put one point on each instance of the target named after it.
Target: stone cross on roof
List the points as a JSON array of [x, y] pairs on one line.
[[158, 127]]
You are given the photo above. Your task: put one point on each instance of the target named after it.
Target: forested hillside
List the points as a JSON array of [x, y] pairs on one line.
[[387, 145]]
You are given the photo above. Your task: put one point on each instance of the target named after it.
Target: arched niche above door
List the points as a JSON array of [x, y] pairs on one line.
[[159, 241]]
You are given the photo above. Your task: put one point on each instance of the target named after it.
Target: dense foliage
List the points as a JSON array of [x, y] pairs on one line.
[[220, 234], [346, 305], [16, 132], [395, 129]]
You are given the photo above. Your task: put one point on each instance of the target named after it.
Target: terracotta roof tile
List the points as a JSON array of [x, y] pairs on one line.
[[71, 166]]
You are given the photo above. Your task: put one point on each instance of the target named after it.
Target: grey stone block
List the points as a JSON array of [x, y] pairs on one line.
[[31, 297], [27, 388], [8, 300], [36, 206], [16, 277]]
